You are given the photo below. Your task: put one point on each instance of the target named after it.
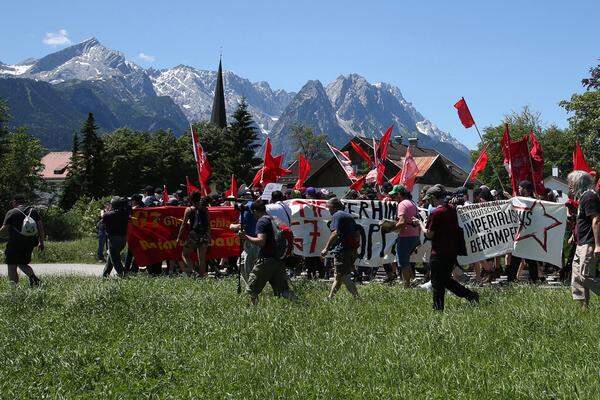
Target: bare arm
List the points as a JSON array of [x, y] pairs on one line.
[[41, 234], [427, 232], [596, 230], [4, 229], [332, 239], [183, 223], [259, 240]]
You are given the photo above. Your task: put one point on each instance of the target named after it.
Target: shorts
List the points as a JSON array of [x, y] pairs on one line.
[[18, 254], [266, 270], [405, 245], [195, 241], [343, 262]]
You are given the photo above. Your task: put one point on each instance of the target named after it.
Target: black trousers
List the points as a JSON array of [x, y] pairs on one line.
[[441, 279], [513, 268]]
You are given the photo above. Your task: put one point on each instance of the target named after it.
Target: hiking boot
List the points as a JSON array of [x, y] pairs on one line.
[[475, 298], [34, 281]]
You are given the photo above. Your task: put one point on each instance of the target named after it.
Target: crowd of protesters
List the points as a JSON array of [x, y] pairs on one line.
[[263, 226]]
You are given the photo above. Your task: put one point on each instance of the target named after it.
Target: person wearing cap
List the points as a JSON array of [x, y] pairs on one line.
[[115, 222], [408, 231], [149, 198], [20, 244], [311, 193], [525, 190], [443, 231]]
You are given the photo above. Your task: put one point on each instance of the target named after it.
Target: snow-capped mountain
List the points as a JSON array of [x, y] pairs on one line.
[[91, 77], [193, 90]]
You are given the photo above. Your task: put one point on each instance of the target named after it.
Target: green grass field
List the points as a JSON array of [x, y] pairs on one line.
[[179, 338], [73, 251]]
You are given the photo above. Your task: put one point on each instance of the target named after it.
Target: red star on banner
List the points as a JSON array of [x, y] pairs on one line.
[[533, 235]]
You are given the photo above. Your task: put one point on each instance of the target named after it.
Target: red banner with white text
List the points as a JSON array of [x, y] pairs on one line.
[[152, 234]]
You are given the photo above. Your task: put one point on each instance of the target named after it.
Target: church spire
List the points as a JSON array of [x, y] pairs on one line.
[[218, 116]]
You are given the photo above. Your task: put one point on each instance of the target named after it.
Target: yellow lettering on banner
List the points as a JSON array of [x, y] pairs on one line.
[[219, 242], [230, 241]]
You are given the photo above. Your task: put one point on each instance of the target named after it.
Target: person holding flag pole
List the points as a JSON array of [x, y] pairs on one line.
[[467, 120]]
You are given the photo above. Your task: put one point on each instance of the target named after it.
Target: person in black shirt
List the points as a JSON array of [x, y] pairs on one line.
[[196, 218], [587, 232], [20, 246], [267, 267], [115, 222]]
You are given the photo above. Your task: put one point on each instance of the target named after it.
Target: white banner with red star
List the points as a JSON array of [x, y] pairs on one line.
[[525, 227]]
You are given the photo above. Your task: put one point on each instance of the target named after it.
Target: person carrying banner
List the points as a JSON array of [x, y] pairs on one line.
[[443, 231], [343, 243], [197, 220], [268, 267], [408, 232], [587, 253], [25, 231], [525, 190]]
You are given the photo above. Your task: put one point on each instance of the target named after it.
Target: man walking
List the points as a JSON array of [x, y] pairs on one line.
[[115, 222], [443, 231], [268, 267], [587, 226], [25, 231], [343, 243]]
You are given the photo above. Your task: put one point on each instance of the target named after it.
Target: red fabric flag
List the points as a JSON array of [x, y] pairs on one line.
[[380, 172], [303, 171], [363, 154], [360, 182], [520, 163], [479, 165], [579, 163], [233, 188], [537, 164], [271, 169], [165, 196], [408, 174], [190, 188], [202, 165], [344, 161], [382, 151], [464, 113], [505, 147]]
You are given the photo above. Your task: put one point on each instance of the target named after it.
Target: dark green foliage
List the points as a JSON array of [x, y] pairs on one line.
[[243, 137], [71, 189], [304, 141], [93, 168], [217, 145]]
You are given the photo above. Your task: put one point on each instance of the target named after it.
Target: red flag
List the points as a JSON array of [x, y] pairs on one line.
[[464, 113], [537, 165], [363, 154], [408, 174], [303, 171], [579, 163], [271, 169], [202, 165], [382, 150], [520, 163], [190, 188], [380, 172], [360, 182], [344, 161], [165, 196], [479, 165], [233, 188], [505, 146]]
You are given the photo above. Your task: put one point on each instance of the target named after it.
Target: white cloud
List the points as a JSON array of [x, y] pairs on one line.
[[146, 57], [56, 38]]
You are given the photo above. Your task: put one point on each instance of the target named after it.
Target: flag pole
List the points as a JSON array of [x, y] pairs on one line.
[[476, 161], [493, 166]]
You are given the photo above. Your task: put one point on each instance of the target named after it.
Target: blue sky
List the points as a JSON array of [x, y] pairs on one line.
[[499, 55]]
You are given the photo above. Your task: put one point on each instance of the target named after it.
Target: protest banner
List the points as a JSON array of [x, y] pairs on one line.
[[269, 189], [152, 234], [311, 221], [525, 227]]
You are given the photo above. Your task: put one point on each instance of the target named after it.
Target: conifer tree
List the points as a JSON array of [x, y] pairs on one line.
[[93, 174], [243, 138]]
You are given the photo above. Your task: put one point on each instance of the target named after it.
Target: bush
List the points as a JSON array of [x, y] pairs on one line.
[[86, 213], [58, 224]]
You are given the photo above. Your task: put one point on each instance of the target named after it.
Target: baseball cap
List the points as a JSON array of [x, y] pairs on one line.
[[311, 190], [399, 189], [435, 191]]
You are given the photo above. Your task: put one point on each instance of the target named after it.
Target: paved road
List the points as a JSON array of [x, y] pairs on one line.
[[62, 269]]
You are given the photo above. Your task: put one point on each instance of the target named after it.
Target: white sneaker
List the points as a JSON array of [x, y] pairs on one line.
[[426, 286]]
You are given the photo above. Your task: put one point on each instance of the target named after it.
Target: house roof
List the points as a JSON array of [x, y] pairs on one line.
[[56, 165]]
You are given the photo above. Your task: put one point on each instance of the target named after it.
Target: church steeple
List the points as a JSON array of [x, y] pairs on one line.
[[218, 116]]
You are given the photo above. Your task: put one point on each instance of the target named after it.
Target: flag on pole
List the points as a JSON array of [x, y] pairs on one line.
[[303, 171], [408, 174], [271, 169], [479, 165], [202, 165], [505, 146], [190, 188], [363, 154], [464, 113], [344, 161], [537, 164], [360, 182], [165, 196], [382, 150], [579, 163], [233, 188]]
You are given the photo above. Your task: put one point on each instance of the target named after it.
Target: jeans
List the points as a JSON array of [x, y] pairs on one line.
[[441, 279], [405, 245], [116, 244], [101, 243]]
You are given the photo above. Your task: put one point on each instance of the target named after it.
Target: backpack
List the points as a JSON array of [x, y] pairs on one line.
[[284, 240], [29, 227]]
